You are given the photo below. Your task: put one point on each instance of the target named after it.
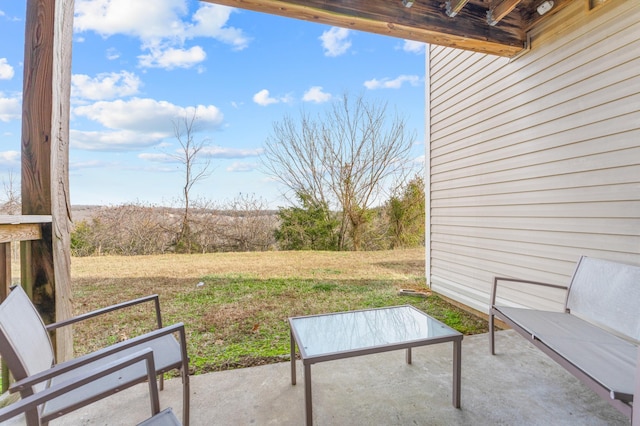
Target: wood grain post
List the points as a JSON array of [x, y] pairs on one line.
[[45, 144], [5, 282]]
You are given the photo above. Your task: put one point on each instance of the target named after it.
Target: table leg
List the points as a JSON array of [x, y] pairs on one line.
[[307, 395], [293, 357], [408, 355], [457, 365]]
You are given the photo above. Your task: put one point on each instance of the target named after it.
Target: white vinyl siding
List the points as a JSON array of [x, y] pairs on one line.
[[535, 161]]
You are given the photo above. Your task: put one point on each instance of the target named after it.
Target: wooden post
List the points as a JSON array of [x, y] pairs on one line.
[[45, 144], [5, 282]]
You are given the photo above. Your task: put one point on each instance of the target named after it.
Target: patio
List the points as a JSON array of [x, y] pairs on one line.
[[518, 386]]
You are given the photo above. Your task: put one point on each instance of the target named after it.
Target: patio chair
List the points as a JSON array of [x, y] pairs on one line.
[[26, 348], [28, 410]]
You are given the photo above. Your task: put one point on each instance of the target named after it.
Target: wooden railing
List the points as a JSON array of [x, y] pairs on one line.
[[14, 228]]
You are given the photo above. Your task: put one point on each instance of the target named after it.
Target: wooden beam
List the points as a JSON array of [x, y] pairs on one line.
[[20, 232], [455, 6], [499, 9], [426, 21], [45, 128]]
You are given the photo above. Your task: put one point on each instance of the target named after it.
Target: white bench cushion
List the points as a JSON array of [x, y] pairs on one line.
[[608, 359]]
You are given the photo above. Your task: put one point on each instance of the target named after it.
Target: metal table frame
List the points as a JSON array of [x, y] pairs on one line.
[[454, 336]]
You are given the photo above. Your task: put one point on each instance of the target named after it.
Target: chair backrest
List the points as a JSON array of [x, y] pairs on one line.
[[608, 294], [24, 341]]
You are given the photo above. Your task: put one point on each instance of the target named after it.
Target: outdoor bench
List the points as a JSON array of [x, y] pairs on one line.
[[596, 337]]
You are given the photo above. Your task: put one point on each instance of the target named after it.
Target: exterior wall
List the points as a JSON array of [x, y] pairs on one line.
[[535, 161]]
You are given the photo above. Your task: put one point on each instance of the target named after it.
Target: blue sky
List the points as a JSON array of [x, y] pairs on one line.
[[138, 64]]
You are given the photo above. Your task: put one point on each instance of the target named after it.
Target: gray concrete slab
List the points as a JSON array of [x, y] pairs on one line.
[[518, 386]]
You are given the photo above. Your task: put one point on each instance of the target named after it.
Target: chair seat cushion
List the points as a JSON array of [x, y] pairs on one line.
[[163, 418], [166, 355]]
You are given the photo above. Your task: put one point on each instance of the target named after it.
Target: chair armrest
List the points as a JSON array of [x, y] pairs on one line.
[[33, 401], [94, 356], [494, 289], [92, 314]]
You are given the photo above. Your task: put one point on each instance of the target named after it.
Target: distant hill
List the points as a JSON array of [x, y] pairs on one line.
[[86, 212], [83, 212]]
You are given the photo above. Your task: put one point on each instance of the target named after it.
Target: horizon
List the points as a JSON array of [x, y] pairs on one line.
[[136, 68]]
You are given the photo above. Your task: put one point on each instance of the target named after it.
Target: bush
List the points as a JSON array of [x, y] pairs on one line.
[[310, 227]]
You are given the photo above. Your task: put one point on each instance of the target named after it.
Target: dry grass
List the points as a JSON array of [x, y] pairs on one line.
[[238, 316], [394, 265]]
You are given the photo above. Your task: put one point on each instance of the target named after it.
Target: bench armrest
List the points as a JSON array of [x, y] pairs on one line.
[[33, 401], [635, 416], [153, 298], [86, 359], [494, 289]]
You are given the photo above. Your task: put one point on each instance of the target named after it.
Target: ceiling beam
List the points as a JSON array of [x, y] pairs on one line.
[[426, 21], [499, 9], [455, 6]]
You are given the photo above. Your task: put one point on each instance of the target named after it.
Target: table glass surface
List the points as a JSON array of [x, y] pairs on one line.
[[354, 330]]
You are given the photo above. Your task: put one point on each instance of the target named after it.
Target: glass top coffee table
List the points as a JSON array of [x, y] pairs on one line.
[[339, 335]]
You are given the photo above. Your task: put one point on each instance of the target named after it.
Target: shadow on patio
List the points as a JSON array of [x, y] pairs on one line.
[[518, 386]]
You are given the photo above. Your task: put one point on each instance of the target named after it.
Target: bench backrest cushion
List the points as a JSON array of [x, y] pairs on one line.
[[608, 294]]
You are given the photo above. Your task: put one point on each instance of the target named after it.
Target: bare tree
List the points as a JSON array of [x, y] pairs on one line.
[[345, 159], [294, 156], [249, 224], [11, 204], [127, 229], [189, 155]]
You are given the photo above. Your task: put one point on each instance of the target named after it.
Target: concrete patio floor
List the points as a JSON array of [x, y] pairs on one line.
[[518, 386]]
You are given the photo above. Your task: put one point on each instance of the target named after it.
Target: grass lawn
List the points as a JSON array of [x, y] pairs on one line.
[[235, 305]]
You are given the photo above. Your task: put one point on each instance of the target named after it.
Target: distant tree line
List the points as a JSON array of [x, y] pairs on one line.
[[347, 175], [245, 224], [242, 224]]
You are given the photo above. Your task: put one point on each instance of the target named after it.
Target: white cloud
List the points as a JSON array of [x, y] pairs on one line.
[[149, 20], [89, 164], [148, 115], [137, 123], [412, 46], [171, 58], [6, 70], [163, 27], [220, 152], [335, 41], [112, 53], [239, 167], [210, 20], [396, 83], [157, 157], [207, 151], [121, 140], [10, 108], [9, 158], [315, 94], [263, 98], [7, 17], [104, 86]]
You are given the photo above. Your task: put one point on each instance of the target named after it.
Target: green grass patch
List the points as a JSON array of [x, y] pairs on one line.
[[238, 322], [238, 316]]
